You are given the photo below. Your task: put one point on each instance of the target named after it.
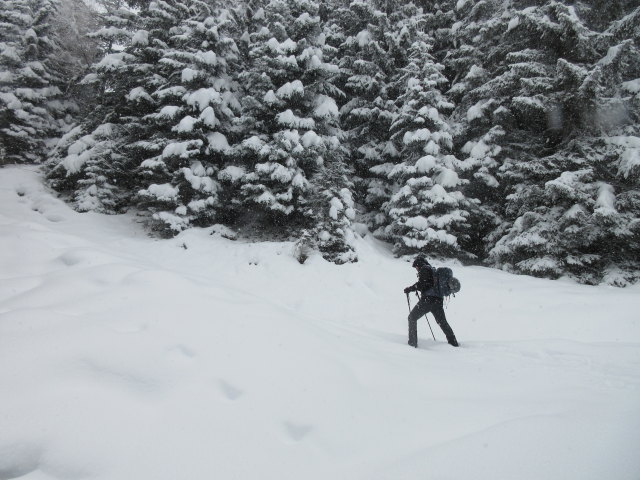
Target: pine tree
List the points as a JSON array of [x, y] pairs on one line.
[[185, 137], [90, 164], [506, 92], [32, 110], [157, 141], [71, 27], [87, 165], [428, 211], [574, 210], [333, 212], [483, 84], [276, 107], [367, 69], [290, 115]]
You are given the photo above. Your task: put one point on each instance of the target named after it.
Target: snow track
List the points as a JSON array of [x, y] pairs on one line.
[[124, 357]]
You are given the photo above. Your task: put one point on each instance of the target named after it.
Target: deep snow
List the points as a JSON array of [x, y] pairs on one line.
[[128, 358]]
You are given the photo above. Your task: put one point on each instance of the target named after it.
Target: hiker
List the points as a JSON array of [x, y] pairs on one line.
[[430, 301]]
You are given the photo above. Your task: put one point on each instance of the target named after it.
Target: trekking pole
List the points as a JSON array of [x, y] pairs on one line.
[[425, 317]]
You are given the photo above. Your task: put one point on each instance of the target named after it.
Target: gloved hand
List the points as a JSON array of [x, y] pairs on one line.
[[408, 289]]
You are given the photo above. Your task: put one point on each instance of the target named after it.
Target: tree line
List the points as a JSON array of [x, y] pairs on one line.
[[498, 133]]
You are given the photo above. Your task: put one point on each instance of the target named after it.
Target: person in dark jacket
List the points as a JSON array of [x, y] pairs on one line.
[[429, 302]]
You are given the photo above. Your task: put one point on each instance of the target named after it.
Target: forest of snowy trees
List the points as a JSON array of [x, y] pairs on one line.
[[503, 133]]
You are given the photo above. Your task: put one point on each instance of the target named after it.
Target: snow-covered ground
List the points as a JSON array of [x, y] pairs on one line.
[[128, 358]]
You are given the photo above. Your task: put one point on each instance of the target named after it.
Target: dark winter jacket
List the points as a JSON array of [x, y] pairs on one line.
[[426, 282]]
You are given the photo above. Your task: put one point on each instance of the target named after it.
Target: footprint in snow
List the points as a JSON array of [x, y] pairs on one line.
[[182, 352], [52, 217], [229, 391], [297, 432], [71, 258]]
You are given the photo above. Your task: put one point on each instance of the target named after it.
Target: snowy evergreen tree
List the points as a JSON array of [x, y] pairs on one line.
[[487, 62], [72, 25], [185, 141], [32, 109], [504, 86], [576, 210], [89, 166], [428, 211], [290, 115], [367, 69], [277, 106], [158, 140], [375, 49], [90, 163], [332, 205]]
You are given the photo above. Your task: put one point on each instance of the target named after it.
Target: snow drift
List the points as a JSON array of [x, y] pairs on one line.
[[124, 357]]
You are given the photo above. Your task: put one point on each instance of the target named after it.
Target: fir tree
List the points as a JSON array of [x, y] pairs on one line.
[[366, 77], [506, 90], [290, 115], [333, 212], [428, 211], [185, 138], [32, 109], [157, 141], [90, 164], [575, 210]]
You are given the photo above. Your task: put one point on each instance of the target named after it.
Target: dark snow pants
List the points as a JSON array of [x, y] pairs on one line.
[[426, 305]]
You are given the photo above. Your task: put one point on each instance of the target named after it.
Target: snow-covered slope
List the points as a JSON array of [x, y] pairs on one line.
[[128, 358]]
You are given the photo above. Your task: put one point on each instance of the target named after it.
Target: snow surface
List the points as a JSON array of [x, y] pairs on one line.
[[123, 357]]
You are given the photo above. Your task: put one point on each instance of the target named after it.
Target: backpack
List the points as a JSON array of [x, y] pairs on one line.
[[445, 283]]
